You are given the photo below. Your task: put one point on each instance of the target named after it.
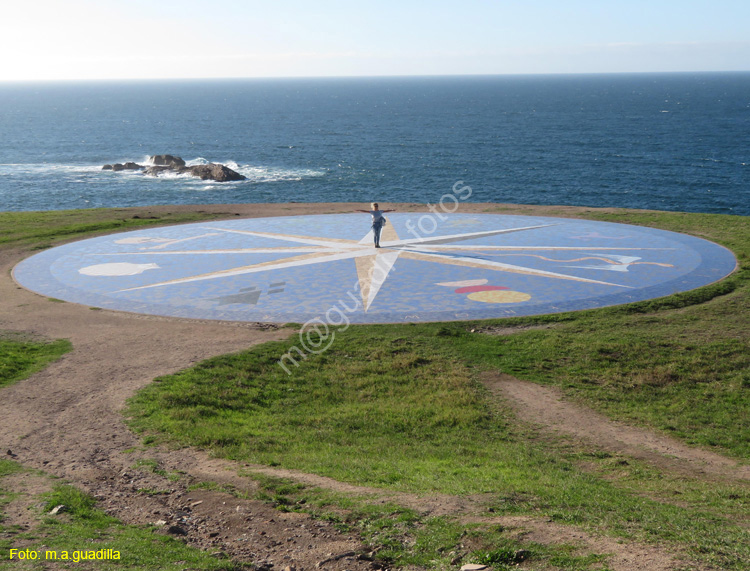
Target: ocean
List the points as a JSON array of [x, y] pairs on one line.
[[676, 142]]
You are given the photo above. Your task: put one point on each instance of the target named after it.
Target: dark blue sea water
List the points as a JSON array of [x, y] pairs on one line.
[[669, 142]]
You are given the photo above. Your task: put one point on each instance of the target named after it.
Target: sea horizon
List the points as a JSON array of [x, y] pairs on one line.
[[374, 76]]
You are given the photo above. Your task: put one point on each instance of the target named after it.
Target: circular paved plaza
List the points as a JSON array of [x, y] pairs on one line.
[[430, 267]]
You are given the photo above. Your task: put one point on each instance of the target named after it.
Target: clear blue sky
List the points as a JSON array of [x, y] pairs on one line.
[[108, 39]]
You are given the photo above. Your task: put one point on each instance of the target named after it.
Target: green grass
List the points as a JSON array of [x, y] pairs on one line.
[[20, 358], [682, 372], [7, 467], [44, 229], [402, 538], [153, 466], [81, 527], [393, 407]]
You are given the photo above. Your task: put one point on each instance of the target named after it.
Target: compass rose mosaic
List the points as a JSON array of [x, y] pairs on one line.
[[429, 267]]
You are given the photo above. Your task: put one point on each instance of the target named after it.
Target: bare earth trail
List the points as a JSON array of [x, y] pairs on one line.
[[67, 421], [547, 407]]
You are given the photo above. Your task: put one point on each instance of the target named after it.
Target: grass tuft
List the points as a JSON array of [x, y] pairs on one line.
[[20, 358]]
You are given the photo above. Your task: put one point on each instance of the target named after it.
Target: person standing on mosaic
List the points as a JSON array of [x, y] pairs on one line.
[[378, 221]]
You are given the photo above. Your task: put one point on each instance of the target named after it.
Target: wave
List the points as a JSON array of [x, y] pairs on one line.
[[254, 173], [260, 174], [46, 168]]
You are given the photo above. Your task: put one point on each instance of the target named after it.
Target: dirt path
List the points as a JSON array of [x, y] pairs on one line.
[[67, 421], [547, 407]]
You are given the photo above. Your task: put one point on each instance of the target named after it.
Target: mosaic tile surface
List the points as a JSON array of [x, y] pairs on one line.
[[431, 267]]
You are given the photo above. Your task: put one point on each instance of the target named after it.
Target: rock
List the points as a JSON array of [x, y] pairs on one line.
[[335, 558], [215, 171], [176, 530], [169, 163], [156, 171], [167, 160], [125, 167], [473, 567], [58, 509]]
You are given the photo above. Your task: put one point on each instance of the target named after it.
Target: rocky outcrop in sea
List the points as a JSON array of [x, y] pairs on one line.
[[160, 164]]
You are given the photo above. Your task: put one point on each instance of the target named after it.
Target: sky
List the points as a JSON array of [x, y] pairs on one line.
[[142, 39]]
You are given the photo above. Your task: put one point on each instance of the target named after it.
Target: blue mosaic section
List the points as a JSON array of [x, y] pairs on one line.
[[233, 270]]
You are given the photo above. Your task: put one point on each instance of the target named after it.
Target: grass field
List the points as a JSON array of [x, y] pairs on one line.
[[400, 407], [44, 229]]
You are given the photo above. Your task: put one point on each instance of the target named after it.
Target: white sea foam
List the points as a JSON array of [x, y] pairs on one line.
[[259, 174], [43, 168], [197, 161], [74, 172]]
